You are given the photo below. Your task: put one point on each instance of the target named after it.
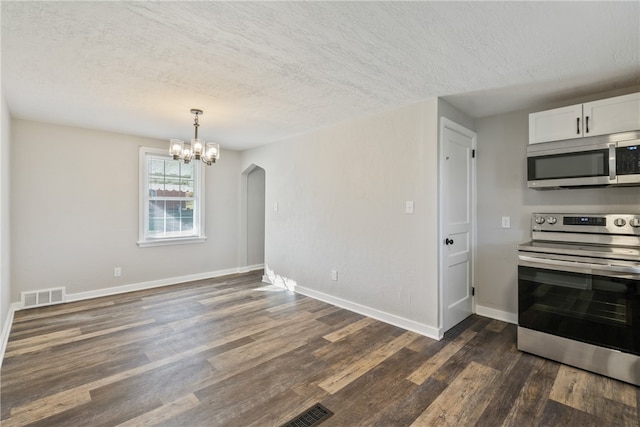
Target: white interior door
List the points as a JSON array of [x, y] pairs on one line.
[[457, 201]]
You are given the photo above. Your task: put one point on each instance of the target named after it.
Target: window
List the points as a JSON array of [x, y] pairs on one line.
[[171, 200]]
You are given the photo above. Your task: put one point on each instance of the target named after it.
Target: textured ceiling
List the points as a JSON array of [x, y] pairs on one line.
[[263, 71]]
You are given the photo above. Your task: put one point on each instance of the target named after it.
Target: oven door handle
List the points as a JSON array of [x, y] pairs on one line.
[[582, 265]]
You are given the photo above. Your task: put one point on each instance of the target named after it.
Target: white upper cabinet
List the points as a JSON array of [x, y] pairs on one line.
[[619, 114], [556, 124], [611, 115]]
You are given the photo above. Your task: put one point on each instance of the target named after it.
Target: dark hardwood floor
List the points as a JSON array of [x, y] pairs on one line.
[[235, 352]]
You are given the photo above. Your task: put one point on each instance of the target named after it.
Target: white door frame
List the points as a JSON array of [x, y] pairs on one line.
[[447, 123]]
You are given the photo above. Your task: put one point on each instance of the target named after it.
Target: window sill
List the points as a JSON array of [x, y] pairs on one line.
[[171, 241]]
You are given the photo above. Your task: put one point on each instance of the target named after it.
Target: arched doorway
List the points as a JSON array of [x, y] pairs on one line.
[[251, 245], [255, 216]]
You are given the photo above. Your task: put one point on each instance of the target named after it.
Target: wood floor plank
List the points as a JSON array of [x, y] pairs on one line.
[[594, 394], [338, 317], [577, 388], [228, 400], [496, 326], [367, 398], [15, 346], [433, 364], [46, 407], [73, 339], [253, 354], [43, 379], [199, 335], [425, 344], [405, 411], [530, 403], [464, 400], [23, 317], [295, 304], [349, 329], [163, 413], [353, 371], [511, 382], [557, 414], [362, 341]]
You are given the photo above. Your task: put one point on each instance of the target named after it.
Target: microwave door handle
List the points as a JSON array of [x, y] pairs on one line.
[[612, 162]]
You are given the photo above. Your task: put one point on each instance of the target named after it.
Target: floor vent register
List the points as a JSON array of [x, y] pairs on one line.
[[311, 417]]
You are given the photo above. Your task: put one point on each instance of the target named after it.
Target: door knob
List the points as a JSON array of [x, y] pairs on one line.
[[448, 241]]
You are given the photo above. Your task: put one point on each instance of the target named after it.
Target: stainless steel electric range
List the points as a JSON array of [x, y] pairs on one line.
[[579, 292]]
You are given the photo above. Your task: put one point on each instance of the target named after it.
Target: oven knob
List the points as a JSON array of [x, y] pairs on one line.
[[620, 222], [539, 220], [552, 220], [634, 222]]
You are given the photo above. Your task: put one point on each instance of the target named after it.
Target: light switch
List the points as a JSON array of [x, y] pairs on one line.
[[275, 207], [409, 207], [506, 222]]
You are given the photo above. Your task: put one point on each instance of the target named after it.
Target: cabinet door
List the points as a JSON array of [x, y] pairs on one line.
[[611, 115], [555, 125]]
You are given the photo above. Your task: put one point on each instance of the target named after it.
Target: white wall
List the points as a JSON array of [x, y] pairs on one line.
[[341, 195], [502, 191], [5, 229], [74, 212]]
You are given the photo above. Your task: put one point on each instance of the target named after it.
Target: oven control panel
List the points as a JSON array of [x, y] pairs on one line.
[[589, 223], [585, 220]]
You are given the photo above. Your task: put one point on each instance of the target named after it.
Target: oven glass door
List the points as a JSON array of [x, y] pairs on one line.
[[599, 310], [585, 164]]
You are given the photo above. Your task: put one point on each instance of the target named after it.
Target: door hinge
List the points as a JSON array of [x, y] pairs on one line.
[[473, 154], [473, 291]]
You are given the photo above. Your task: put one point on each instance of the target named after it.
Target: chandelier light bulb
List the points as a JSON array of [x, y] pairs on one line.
[[177, 147], [197, 146], [212, 153]]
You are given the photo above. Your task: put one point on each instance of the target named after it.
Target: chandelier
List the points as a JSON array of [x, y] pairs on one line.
[[208, 152]]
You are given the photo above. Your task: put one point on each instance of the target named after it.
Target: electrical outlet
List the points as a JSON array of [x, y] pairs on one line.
[[334, 274], [506, 222], [117, 272]]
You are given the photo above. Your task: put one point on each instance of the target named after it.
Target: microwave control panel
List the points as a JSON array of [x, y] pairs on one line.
[[628, 160]]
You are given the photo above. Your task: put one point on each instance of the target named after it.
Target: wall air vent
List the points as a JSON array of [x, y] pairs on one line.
[[43, 297]]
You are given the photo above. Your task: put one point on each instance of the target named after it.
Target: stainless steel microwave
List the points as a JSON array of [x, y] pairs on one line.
[[601, 161]]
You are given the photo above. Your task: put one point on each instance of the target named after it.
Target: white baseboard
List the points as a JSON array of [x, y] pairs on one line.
[[492, 313], [6, 329], [250, 268], [392, 319]]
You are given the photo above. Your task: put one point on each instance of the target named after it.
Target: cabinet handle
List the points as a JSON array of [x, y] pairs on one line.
[[587, 124], [578, 125]]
